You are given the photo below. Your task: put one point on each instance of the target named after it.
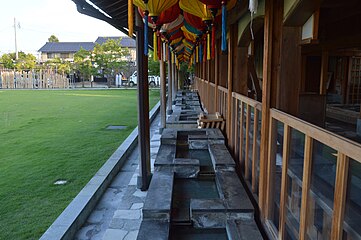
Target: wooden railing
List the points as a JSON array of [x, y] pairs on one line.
[[308, 180], [222, 100], [246, 137], [313, 177]]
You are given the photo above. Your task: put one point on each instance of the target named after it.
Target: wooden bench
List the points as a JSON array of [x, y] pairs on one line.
[[211, 121]]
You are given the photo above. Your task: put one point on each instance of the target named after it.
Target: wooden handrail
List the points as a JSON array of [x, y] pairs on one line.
[[348, 147], [223, 89], [249, 101]]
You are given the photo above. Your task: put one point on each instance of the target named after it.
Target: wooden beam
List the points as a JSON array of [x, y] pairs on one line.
[[242, 72], [254, 78], [229, 82], [241, 134], [290, 72], [170, 81], [339, 202], [208, 84], [301, 11], [271, 59], [306, 183], [255, 153], [216, 66], [143, 108], [271, 169], [283, 200], [234, 129], [246, 157], [163, 97], [324, 73]]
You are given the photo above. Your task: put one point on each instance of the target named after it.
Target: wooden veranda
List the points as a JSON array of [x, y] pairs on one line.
[[282, 65]]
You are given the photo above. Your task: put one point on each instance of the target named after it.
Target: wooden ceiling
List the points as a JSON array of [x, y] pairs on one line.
[[113, 12]]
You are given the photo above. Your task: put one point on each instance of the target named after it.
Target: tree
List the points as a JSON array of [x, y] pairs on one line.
[[53, 38], [109, 58], [60, 65], [153, 66], [8, 61], [83, 64], [24, 62]]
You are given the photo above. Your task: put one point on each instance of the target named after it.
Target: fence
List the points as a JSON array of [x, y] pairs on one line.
[[313, 176], [41, 79]]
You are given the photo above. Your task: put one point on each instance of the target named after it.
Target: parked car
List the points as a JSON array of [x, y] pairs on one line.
[[152, 80]]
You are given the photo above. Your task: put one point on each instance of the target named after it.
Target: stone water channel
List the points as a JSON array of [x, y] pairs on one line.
[[195, 192]]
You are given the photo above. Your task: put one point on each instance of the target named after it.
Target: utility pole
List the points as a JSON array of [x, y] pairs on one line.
[[16, 44]]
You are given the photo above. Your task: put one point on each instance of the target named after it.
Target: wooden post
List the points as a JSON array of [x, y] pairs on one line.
[[306, 183], [208, 84], [254, 151], [324, 73], [246, 155], [163, 98], [216, 65], [272, 44], [283, 200], [143, 108], [241, 134], [174, 78], [170, 81], [339, 196], [229, 84]]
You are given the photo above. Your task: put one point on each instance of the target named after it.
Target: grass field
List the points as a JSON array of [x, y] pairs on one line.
[[50, 135]]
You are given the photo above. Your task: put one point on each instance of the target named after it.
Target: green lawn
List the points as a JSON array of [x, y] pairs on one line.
[[50, 135]]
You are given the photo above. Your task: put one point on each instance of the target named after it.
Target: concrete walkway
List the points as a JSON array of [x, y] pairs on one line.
[[118, 214]]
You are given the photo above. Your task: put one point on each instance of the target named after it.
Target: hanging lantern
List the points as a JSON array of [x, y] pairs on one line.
[[194, 21], [191, 29], [168, 26], [175, 34], [153, 8], [189, 35], [167, 16]]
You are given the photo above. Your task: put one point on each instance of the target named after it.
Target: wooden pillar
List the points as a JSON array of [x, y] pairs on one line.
[[290, 73], [243, 70], [216, 66], [143, 108], [340, 195], [324, 73], [208, 83], [229, 82], [180, 81], [170, 81], [174, 78], [272, 43], [163, 98]]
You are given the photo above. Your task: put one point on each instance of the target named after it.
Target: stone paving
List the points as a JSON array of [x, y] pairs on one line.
[[118, 214]]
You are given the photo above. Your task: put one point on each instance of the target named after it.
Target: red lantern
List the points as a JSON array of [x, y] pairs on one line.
[[194, 21], [166, 16], [176, 35]]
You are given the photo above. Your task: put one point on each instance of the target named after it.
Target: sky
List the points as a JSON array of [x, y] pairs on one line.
[[38, 19]]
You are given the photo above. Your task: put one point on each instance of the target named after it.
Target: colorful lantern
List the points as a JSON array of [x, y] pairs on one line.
[[153, 8]]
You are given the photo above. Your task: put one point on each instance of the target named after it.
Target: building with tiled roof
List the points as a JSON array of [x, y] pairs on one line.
[[66, 50]]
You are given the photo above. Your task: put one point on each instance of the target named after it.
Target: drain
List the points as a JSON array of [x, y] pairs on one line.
[[116, 127], [60, 182]]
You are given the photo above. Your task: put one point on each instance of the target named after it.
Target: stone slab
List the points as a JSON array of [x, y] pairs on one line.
[[166, 155], [232, 191], [243, 230], [220, 156], [159, 198], [153, 229]]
